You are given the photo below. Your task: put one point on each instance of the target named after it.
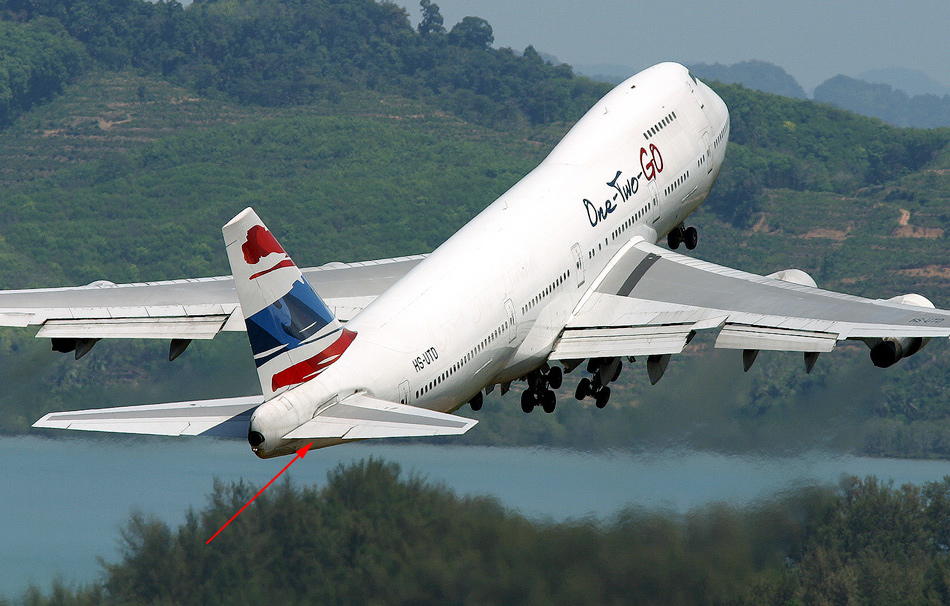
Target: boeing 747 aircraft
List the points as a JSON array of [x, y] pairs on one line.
[[564, 268]]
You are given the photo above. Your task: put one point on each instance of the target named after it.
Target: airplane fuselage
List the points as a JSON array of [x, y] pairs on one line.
[[488, 305]]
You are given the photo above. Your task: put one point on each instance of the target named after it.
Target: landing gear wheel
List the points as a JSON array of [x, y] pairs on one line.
[[691, 237], [548, 401], [476, 402], [602, 397], [675, 238], [527, 401], [583, 389], [554, 377]]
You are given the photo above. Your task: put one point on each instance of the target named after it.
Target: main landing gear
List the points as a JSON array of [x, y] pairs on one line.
[[540, 392], [683, 235], [603, 371], [543, 382]]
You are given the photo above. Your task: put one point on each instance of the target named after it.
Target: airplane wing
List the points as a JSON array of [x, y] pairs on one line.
[[356, 417], [359, 416], [650, 301], [182, 309], [227, 417]]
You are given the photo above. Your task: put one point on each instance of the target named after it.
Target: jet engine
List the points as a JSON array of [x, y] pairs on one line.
[[887, 351]]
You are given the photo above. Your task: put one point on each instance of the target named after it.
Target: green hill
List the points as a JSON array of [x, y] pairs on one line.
[[129, 171]]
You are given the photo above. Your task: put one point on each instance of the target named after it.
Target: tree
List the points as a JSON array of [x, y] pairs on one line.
[[431, 19], [472, 32]]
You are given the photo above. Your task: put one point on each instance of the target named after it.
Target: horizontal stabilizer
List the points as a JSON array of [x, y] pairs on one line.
[[225, 418], [360, 417]]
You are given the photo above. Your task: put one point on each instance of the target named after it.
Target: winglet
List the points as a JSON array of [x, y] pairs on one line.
[[293, 334]]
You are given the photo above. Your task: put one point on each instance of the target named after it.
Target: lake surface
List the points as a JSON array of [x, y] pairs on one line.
[[62, 501]]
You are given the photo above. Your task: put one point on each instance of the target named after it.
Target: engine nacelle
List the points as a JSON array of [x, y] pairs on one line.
[[889, 350]]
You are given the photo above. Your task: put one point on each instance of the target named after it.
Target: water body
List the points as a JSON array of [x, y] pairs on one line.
[[63, 501]]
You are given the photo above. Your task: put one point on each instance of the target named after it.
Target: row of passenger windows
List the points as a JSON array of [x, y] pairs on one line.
[[722, 133], [679, 181], [500, 330], [623, 227], [593, 252], [629, 222], [540, 296], [667, 119]]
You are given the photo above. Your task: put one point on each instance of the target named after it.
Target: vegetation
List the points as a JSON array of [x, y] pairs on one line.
[[288, 53], [778, 142], [372, 536], [360, 137], [37, 62]]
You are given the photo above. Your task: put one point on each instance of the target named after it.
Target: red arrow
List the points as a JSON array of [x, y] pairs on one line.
[[300, 454]]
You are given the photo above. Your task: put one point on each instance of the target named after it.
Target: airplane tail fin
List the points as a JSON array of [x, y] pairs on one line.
[[293, 335]]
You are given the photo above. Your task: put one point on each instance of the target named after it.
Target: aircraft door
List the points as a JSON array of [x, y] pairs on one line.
[[696, 96], [404, 392], [512, 327], [709, 164], [654, 201], [578, 264]]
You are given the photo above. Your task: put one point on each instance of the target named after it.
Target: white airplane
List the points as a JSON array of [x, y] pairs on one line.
[[562, 268]]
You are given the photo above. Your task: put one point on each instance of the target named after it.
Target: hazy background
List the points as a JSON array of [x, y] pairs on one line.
[[813, 41]]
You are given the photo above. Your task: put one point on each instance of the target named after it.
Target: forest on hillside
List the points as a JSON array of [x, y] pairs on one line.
[[135, 129], [371, 535], [291, 53]]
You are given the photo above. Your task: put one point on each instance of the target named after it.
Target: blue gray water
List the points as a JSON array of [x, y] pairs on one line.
[[62, 501]]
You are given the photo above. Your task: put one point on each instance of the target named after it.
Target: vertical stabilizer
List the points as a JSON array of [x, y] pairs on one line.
[[293, 335]]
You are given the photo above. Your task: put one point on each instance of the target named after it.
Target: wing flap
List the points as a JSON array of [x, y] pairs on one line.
[[360, 417], [224, 417], [622, 341], [196, 327], [774, 339]]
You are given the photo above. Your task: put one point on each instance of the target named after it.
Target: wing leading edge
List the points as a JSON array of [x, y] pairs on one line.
[[197, 308], [651, 301]]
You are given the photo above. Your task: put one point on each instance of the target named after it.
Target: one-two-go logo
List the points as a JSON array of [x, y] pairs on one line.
[[651, 165]]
